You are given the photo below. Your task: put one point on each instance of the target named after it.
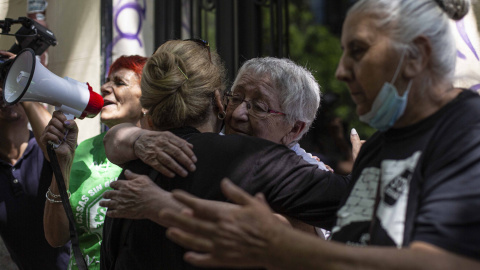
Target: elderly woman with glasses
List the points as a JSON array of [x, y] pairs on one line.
[[273, 99], [182, 91]]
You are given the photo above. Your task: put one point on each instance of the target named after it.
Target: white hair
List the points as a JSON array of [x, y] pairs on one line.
[[404, 20], [298, 91]]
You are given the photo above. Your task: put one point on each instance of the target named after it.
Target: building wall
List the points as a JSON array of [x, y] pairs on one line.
[[76, 25]]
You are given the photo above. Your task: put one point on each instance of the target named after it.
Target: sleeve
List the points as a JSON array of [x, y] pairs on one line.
[[295, 188], [447, 214]]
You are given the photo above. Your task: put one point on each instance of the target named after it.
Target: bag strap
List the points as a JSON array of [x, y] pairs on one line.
[[68, 208]]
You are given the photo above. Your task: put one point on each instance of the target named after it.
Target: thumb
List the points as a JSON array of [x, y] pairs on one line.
[[129, 175], [356, 143], [71, 132]]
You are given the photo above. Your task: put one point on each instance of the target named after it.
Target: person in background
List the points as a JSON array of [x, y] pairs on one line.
[[86, 169], [413, 202], [24, 179]]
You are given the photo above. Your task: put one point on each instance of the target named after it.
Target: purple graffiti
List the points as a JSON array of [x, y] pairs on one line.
[[475, 87], [141, 14], [120, 7], [463, 33], [461, 55]]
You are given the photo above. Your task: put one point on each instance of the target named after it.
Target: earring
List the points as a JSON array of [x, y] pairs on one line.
[[221, 115]]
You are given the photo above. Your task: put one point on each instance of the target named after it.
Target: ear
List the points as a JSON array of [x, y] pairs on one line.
[[292, 136], [418, 60], [218, 102]]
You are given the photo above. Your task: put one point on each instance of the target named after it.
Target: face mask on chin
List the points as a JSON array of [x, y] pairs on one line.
[[388, 106]]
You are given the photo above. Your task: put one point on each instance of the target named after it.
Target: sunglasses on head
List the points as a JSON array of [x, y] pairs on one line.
[[203, 43]]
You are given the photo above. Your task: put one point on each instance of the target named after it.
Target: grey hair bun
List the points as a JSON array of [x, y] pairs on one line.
[[455, 9]]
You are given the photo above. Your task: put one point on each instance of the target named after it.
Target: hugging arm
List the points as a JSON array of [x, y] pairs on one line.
[[248, 235], [163, 151]]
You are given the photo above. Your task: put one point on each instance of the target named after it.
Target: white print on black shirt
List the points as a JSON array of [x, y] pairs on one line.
[[396, 176]]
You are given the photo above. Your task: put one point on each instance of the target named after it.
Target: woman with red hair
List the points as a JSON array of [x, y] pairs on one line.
[[86, 169]]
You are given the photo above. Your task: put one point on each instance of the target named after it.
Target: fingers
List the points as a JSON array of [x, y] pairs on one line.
[[235, 193], [166, 165], [56, 128], [356, 143], [170, 155], [201, 259], [188, 240], [205, 209], [183, 152]]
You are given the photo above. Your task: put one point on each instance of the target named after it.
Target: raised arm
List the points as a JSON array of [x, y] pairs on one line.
[[38, 117], [54, 218], [163, 151]]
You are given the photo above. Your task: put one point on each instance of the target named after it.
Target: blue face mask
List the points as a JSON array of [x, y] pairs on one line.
[[388, 106]]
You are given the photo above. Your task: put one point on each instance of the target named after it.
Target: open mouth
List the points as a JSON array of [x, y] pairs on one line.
[[107, 102]]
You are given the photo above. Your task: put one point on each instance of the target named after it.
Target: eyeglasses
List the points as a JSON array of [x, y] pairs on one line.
[[255, 108], [203, 43]]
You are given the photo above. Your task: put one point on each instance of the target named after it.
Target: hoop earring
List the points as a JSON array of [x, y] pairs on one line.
[[221, 115]]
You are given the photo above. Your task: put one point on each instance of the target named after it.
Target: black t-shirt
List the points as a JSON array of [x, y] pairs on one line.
[[429, 184], [292, 187]]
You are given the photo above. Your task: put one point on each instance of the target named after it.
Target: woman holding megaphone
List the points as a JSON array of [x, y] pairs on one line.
[[86, 169]]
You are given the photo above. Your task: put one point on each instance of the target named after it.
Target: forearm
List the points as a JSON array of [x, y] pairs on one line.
[[38, 117], [55, 220], [119, 142], [56, 226], [290, 249]]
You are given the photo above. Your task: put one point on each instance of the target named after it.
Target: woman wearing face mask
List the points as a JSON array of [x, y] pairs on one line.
[[415, 193]]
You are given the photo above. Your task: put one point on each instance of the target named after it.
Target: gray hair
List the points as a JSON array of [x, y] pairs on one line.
[[407, 19], [298, 91]]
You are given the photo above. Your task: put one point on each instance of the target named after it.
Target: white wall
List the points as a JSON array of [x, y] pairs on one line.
[[76, 25]]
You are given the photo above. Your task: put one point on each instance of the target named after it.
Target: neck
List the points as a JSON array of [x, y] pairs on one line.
[[211, 125], [425, 101], [14, 138]]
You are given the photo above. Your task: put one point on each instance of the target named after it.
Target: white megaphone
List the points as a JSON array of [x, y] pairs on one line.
[[28, 80]]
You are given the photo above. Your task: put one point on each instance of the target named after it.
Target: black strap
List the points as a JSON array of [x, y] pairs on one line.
[[68, 208]]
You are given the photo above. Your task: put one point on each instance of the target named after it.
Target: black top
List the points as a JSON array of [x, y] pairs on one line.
[[291, 186], [429, 184], [22, 199]]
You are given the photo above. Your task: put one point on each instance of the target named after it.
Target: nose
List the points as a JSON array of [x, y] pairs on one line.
[[240, 113], [343, 72], [106, 88]]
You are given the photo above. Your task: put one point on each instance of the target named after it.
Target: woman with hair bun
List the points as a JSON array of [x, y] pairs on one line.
[[182, 89], [415, 192]]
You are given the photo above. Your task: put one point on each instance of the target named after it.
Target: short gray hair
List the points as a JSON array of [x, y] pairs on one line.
[[298, 91], [407, 19]]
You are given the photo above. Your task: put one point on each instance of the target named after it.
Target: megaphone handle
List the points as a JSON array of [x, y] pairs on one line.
[[69, 117]]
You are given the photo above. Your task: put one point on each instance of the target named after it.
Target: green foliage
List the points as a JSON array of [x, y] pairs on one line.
[[313, 46]]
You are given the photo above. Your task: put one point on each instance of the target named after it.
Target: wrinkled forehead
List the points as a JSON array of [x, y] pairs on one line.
[[255, 85], [361, 26]]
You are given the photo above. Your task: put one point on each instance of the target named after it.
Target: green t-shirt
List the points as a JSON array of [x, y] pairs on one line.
[[90, 177]]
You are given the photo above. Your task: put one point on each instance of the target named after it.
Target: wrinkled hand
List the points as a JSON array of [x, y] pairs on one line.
[[227, 235], [63, 132], [356, 143], [166, 153], [134, 198]]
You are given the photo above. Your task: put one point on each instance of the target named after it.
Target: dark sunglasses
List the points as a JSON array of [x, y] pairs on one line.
[[203, 43]]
